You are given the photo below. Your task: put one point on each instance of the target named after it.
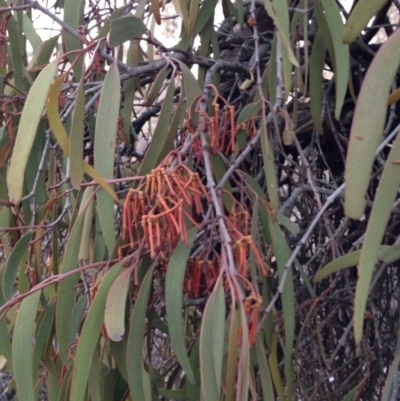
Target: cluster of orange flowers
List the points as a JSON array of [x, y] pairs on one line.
[[222, 129], [156, 211], [156, 215]]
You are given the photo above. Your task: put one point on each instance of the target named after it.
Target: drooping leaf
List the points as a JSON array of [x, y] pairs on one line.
[[66, 289], [44, 326], [89, 335], [174, 301], [155, 87], [191, 86], [181, 9], [391, 376], [193, 11], [114, 318], [379, 217], [11, 268], [387, 254], [84, 248], [160, 136], [265, 374], [5, 343], [341, 52], [368, 121], [124, 29], [231, 366], [14, 36], [104, 148], [274, 367], [282, 253], [62, 137], [22, 347], [43, 53], [134, 353], [73, 16], [317, 62], [76, 318], [30, 32], [31, 115], [211, 343], [76, 136], [244, 358], [280, 15], [361, 14], [269, 165]]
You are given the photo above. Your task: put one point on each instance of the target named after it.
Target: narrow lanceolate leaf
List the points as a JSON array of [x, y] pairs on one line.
[[282, 254], [174, 301], [22, 347], [359, 18], [73, 17], [14, 38], [387, 254], [181, 9], [114, 318], [265, 374], [345, 261], [106, 123], [124, 29], [76, 136], [5, 343], [212, 344], [193, 11], [191, 87], [30, 32], [280, 14], [317, 62], [155, 88], [391, 376], [84, 248], [160, 136], [104, 148], [231, 366], [269, 165], [244, 358], [43, 53], [368, 121], [274, 367], [66, 290], [342, 58], [89, 336], [62, 137], [44, 325], [11, 268], [380, 213], [31, 114], [134, 355]]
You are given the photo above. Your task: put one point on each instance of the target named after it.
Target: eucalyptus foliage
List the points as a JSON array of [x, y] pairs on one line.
[[184, 222]]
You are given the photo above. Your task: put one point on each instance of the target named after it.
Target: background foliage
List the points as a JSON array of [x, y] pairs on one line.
[[183, 222]]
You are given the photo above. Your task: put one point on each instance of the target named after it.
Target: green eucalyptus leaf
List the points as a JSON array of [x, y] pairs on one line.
[[104, 148], [30, 118], [90, 333], [22, 346], [359, 18], [134, 355], [124, 29], [368, 122], [174, 301]]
